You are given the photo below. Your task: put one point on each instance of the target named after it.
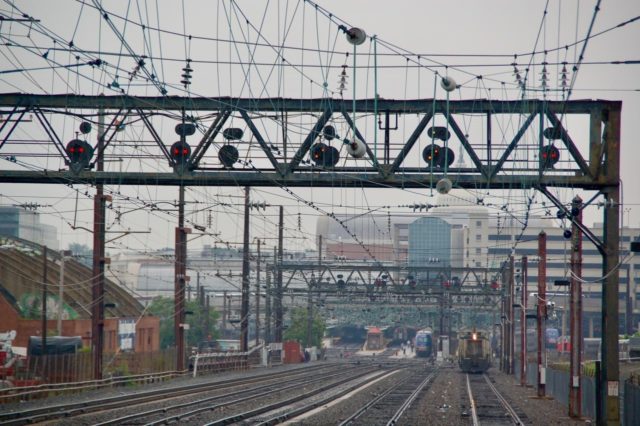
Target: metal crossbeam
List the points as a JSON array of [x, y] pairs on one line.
[[262, 167]]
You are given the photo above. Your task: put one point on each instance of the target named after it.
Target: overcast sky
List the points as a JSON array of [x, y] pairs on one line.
[[473, 38]]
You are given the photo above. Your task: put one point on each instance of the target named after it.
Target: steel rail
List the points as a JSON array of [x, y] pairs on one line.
[[472, 403], [407, 403], [262, 391], [60, 410], [505, 404], [270, 407]]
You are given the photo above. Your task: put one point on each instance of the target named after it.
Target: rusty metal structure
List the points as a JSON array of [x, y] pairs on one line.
[[286, 162]]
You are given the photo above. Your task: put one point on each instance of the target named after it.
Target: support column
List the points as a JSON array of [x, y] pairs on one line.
[[542, 312], [512, 317], [610, 373], [629, 302], [267, 307], [258, 295], [207, 312], [278, 336], [575, 305], [225, 310], [523, 323], [180, 268], [97, 282], [244, 308], [43, 312]]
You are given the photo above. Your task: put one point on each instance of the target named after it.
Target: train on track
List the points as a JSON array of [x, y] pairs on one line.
[[474, 351], [424, 343]]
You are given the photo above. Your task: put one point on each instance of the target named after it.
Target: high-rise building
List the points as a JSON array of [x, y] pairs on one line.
[[22, 223]]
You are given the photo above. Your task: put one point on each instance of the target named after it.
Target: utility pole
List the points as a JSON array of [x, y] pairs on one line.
[[523, 324], [97, 285], [512, 343], [542, 311], [267, 309], [575, 303], [278, 322], [224, 313], [180, 267], [207, 326], [258, 296], [44, 300], [312, 283], [63, 257], [244, 309]]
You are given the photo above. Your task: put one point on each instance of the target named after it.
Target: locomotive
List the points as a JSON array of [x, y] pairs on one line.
[[474, 352], [424, 343]]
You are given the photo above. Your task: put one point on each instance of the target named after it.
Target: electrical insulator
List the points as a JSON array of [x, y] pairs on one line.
[[228, 155], [544, 78], [355, 147], [186, 74], [80, 153], [180, 152], [563, 76], [550, 156]]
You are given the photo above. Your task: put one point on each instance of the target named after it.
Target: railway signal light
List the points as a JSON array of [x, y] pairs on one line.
[[85, 127], [80, 153], [437, 156], [180, 153], [550, 155], [324, 155], [439, 132], [228, 155], [431, 154]]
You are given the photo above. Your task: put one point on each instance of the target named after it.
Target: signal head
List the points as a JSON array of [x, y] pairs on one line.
[[228, 155], [180, 152]]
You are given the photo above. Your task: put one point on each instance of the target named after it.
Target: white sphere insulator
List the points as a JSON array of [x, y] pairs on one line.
[[355, 148], [443, 186], [356, 36], [448, 84]]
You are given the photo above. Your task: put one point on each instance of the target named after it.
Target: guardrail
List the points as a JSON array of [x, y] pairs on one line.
[[215, 362]]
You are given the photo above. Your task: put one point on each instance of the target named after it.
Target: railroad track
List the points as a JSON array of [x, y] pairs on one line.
[[75, 409], [388, 407], [487, 405]]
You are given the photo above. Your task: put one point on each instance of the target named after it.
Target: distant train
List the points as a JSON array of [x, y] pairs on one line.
[[474, 351], [424, 343]]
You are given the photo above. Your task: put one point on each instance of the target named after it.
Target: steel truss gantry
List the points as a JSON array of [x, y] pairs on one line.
[[492, 164], [592, 165]]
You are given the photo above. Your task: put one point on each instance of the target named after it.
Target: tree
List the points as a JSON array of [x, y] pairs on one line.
[[163, 307], [298, 328], [82, 253]]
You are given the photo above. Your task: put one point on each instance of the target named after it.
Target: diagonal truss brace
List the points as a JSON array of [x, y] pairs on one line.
[[6, 122], [208, 137], [573, 149], [513, 144], [586, 231], [262, 142], [304, 148], [51, 132], [156, 136]]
